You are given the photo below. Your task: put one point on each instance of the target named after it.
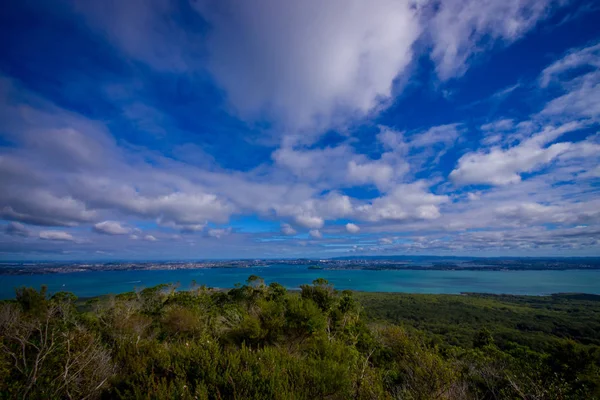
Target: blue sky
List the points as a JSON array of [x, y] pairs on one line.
[[227, 129]]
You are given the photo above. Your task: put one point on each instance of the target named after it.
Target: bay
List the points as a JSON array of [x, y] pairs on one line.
[[87, 284]]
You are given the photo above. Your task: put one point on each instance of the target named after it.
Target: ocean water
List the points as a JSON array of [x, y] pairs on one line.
[[85, 284]]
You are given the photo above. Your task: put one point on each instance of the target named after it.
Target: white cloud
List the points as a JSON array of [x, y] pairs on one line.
[[143, 30], [391, 139], [352, 228], [90, 178], [581, 100], [315, 164], [523, 241], [497, 132], [219, 233], [315, 234], [287, 229], [394, 164], [587, 56], [503, 167], [17, 229], [178, 208], [111, 228], [377, 172], [56, 235], [309, 221], [313, 212], [405, 202], [311, 65], [461, 28], [40, 207], [472, 196], [306, 62], [442, 134], [187, 228], [578, 75], [501, 125], [528, 212]]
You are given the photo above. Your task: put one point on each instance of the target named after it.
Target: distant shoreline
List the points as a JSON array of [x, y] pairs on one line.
[[370, 264]]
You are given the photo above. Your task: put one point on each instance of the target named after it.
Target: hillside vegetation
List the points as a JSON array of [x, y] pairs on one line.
[[260, 341]]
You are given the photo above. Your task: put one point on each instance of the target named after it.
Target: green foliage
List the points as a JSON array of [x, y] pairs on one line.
[[263, 342], [483, 338], [32, 301], [47, 352], [321, 292]]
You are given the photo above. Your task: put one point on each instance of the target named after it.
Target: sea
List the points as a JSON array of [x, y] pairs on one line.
[[95, 283]]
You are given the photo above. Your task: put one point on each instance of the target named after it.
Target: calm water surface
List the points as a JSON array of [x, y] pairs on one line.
[[86, 284]]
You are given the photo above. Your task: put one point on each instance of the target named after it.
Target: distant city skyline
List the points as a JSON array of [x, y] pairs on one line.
[[163, 130]]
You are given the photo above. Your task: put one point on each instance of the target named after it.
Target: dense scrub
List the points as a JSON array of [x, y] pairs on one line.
[[259, 341], [538, 322]]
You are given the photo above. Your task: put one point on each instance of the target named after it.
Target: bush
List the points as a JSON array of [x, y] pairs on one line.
[[262, 342]]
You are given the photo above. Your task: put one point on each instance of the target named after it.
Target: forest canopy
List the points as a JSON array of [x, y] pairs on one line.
[[259, 341]]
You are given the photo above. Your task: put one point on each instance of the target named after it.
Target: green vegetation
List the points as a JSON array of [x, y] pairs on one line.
[[263, 342]]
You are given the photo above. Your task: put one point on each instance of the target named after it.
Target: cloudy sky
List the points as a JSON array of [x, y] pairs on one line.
[[157, 129]]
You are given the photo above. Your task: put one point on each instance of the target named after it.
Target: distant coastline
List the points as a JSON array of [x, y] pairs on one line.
[[421, 263]]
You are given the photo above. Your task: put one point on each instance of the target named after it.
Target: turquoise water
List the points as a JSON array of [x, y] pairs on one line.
[[86, 284]]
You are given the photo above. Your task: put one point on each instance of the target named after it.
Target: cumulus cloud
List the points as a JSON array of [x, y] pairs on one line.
[[219, 233], [391, 139], [111, 228], [313, 165], [313, 212], [522, 241], [341, 165], [405, 202], [309, 221], [352, 228], [315, 234], [528, 212], [100, 174], [302, 69], [473, 196], [306, 62], [188, 210], [57, 235], [287, 229], [311, 65], [378, 172], [181, 208], [503, 167], [336, 166], [17, 229], [41, 207]]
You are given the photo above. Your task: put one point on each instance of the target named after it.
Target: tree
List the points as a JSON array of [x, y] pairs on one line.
[[321, 292], [483, 338]]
